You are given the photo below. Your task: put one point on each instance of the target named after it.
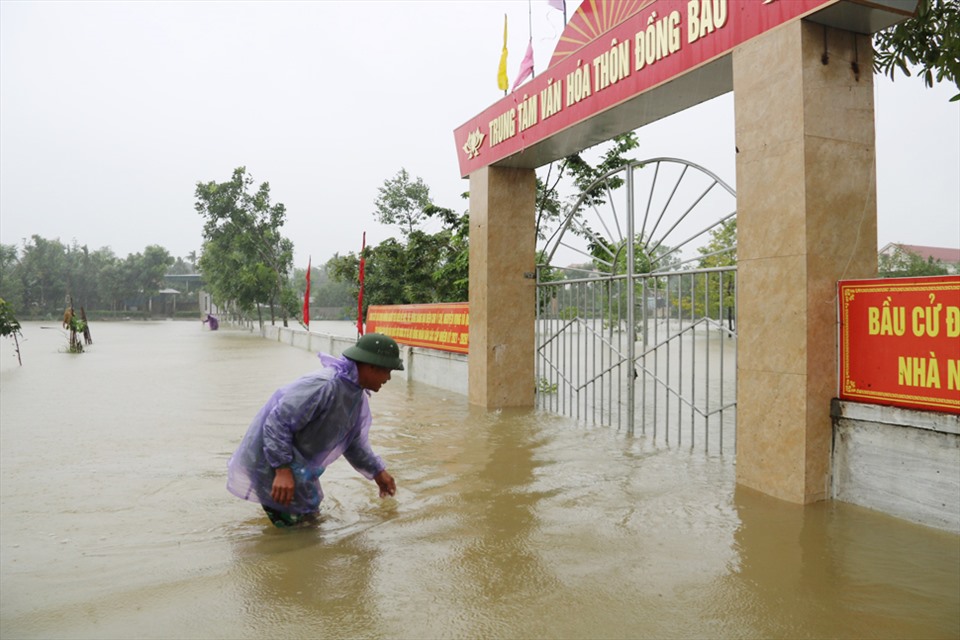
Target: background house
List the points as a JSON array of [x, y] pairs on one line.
[[895, 252]]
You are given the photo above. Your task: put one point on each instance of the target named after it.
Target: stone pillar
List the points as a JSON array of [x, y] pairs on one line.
[[502, 287], [806, 217]]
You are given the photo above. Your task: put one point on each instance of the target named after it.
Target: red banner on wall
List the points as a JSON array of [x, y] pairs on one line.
[[443, 326], [900, 342]]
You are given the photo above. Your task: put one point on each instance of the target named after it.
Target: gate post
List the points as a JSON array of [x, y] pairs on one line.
[[806, 217], [500, 364]]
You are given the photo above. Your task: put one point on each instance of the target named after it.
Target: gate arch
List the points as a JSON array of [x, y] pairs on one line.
[[806, 211], [641, 335]]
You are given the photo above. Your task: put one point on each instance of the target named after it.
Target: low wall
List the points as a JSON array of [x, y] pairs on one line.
[[903, 462], [424, 366]]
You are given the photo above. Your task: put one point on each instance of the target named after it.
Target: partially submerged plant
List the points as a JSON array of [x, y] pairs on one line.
[[544, 386], [77, 327], [9, 326]]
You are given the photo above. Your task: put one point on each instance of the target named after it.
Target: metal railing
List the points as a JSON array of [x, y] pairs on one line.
[[654, 354]]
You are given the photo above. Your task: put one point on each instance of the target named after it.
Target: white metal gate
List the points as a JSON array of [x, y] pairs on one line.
[[642, 334]]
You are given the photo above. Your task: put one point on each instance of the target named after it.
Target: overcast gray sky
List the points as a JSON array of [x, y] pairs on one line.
[[111, 112]]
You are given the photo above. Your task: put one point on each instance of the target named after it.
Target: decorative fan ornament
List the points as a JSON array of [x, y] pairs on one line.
[[592, 19]]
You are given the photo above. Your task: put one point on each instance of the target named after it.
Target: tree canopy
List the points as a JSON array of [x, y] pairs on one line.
[[903, 264], [721, 249], [37, 279], [427, 267], [245, 260], [930, 41], [402, 201], [581, 175]]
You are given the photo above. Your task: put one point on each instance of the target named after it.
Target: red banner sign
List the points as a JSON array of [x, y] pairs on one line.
[[900, 342], [658, 43], [443, 326]]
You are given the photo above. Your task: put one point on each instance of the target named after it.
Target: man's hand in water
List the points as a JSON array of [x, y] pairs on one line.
[[283, 486], [386, 483]]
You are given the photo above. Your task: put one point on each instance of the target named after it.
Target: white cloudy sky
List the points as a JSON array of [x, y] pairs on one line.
[[111, 112]]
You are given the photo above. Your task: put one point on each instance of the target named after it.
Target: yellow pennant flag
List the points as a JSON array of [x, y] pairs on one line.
[[502, 80]]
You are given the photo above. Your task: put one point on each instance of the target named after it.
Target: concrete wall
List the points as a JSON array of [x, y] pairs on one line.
[[902, 462], [427, 366]]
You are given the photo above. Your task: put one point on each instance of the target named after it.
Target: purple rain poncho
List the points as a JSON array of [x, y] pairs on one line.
[[306, 424]]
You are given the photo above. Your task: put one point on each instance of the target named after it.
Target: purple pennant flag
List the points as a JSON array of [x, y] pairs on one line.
[[526, 66]]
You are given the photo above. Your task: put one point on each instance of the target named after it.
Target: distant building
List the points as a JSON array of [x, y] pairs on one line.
[[950, 258]]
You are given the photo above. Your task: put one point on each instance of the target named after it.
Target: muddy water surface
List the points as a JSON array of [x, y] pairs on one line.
[[114, 520]]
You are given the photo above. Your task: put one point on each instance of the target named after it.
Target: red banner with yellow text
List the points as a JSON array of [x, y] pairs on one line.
[[657, 42], [443, 326], [900, 342]]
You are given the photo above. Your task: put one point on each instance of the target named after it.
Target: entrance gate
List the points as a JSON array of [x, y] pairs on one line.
[[642, 335], [806, 202]]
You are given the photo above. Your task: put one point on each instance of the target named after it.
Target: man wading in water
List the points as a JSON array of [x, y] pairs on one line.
[[308, 424]]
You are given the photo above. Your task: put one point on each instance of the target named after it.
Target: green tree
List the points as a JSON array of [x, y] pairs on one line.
[[452, 273], [156, 261], [10, 327], [235, 279], [929, 41], [436, 267], [11, 285], [904, 264], [719, 289], [721, 250], [324, 290], [387, 279], [142, 274], [79, 274], [110, 282], [49, 276], [245, 258], [181, 267], [96, 263], [43, 268], [583, 177], [427, 268], [403, 202], [128, 280], [611, 259]]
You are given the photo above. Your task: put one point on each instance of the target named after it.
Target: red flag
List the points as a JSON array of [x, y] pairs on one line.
[[360, 295], [306, 299]]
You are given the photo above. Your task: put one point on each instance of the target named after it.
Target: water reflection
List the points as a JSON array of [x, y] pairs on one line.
[[836, 570], [115, 523], [296, 584]]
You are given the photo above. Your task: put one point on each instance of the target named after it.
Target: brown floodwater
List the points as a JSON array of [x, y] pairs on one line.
[[115, 523]]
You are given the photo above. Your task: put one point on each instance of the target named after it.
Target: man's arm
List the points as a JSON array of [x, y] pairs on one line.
[[294, 409]]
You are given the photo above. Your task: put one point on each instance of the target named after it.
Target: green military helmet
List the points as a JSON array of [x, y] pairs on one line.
[[376, 349]]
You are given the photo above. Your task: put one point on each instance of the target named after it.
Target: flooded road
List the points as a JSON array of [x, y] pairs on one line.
[[115, 523]]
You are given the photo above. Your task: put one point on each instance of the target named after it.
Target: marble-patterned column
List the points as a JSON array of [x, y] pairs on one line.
[[806, 217], [502, 287]]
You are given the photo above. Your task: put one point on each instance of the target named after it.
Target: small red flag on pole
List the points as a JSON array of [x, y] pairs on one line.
[[360, 295], [306, 299]]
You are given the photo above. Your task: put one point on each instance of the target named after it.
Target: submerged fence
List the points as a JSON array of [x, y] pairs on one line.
[[654, 354]]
